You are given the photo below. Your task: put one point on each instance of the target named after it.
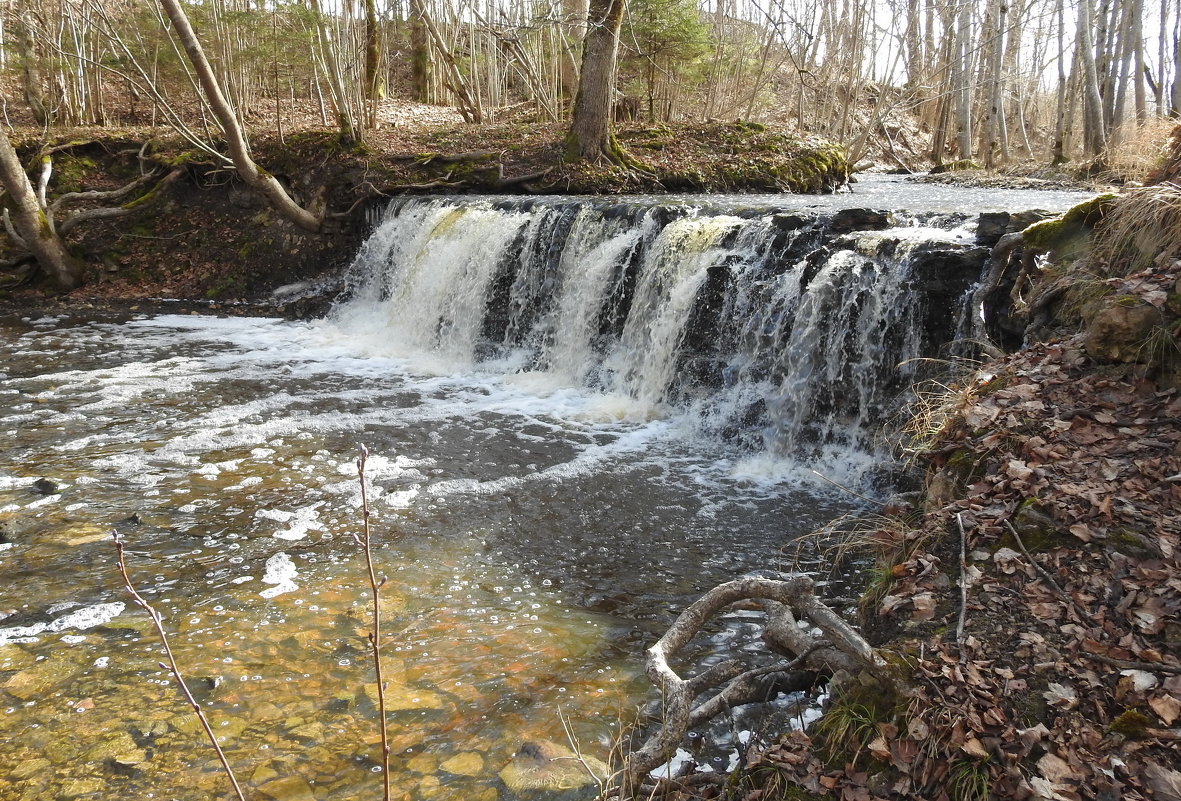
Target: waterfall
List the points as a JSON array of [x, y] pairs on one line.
[[789, 332]]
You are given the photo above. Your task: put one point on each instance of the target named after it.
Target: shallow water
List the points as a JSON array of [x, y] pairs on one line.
[[535, 539]]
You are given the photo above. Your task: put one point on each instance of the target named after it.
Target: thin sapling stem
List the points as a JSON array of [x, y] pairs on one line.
[[375, 635], [172, 666]]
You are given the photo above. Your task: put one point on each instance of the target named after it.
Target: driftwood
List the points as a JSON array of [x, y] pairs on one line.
[[786, 598]]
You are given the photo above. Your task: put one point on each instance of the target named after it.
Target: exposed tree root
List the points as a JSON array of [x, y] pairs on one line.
[[731, 683]]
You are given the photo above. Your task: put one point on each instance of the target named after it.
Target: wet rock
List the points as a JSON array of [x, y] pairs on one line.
[[847, 220], [77, 788], [30, 768], [289, 788], [263, 774], [311, 732], [468, 763], [992, 225], [543, 765], [1120, 329], [422, 763], [402, 697], [84, 534], [40, 678], [45, 486], [128, 764], [121, 744], [144, 731]]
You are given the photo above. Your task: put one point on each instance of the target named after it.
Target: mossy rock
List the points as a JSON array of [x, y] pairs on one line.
[[951, 482], [1131, 724], [1067, 236]]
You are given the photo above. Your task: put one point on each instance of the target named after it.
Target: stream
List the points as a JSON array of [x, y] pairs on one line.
[[580, 415]]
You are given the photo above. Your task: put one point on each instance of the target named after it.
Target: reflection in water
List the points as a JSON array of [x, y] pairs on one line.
[[533, 542]]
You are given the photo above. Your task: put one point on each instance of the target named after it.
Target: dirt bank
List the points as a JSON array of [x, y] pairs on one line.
[[196, 233]]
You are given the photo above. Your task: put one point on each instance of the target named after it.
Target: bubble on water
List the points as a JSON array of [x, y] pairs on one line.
[[375, 769], [546, 583], [102, 661], [344, 662]]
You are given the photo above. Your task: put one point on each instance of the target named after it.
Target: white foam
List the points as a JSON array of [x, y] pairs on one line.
[[281, 572], [301, 521]]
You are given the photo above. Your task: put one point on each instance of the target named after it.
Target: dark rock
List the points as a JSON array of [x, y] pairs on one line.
[[847, 220], [992, 225], [45, 486]]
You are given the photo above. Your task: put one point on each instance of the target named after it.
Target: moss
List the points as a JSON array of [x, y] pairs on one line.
[[1034, 522], [1068, 234], [1130, 724], [1130, 543]]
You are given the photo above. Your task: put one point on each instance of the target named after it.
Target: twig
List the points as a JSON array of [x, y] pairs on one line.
[[959, 628], [601, 783], [375, 635], [1061, 593], [1151, 667], [172, 666]]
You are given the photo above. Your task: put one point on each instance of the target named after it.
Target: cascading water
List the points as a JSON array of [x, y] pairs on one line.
[[769, 328]]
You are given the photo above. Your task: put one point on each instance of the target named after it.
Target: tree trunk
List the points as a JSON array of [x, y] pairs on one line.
[[422, 66], [32, 224], [1094, 127], [252, 175], [374, 85], [31, 83], [573, 32], [590, 131]]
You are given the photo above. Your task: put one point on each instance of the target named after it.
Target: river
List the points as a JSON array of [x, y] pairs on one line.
[[544, 500]]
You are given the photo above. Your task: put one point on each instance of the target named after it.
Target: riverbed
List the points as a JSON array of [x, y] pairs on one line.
[[534, 543]]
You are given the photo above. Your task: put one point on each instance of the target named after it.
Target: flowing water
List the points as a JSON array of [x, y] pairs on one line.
[[580, 415]]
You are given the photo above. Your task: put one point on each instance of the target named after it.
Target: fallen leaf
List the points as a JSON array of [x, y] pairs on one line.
[[1018, 469], [1166, 707], [1165, 783], [1057, 769], [924, 606], [1005, 558], [974, 748], [1141, 680], [1060, 695]]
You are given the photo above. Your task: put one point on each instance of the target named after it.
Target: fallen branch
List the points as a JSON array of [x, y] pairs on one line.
[[840, 648], [1061, 593]]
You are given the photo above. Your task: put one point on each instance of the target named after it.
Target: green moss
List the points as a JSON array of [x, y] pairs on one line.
[[1068, 234], [1130, 724]]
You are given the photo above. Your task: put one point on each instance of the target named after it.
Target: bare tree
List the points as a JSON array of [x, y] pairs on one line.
[[258, 179]]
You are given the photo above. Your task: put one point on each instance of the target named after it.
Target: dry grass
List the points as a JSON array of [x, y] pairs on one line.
[[1136, 148], [1141, 230]]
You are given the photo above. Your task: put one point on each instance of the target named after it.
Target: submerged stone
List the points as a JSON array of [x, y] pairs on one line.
[[290, 788], [468, 763], [543, 765]]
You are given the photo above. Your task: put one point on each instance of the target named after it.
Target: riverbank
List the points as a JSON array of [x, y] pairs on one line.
[[196, 232]]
